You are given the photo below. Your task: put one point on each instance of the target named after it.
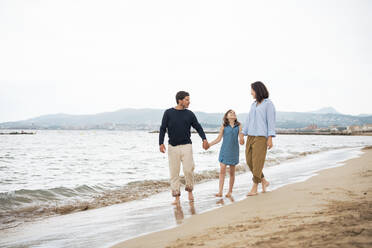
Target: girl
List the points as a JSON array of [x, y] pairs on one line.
[[229, 153], [260, 128]]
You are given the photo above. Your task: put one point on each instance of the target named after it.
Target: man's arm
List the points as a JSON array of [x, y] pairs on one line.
[[196, 125], [163, 129]]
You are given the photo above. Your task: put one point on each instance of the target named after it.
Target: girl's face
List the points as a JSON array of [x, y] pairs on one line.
[[253, 93], [231, 115]]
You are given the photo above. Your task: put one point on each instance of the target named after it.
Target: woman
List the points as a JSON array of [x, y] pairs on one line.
[[260, 128]]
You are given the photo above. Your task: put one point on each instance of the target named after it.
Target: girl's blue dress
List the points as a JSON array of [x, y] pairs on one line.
[[229, 153]]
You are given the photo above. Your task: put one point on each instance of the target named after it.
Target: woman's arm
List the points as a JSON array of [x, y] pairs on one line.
[[244, 131], [219, 137], [271, 119], [241, 135]]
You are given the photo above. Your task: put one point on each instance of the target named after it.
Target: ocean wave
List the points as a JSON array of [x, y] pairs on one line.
[[21, 205], [28, 204], [274, 161]]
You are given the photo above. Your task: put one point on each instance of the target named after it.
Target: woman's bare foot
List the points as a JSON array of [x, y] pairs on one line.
[[218, 195], [253, 190], [228, 195], [264, 186], [191, 196]]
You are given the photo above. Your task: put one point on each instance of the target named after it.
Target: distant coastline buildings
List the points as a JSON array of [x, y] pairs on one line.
[[365, 129]]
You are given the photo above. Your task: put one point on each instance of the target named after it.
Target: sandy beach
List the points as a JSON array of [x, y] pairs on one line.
[[332, 209]]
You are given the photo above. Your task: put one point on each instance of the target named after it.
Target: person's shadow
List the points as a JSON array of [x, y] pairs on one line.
[[178, 212], [222, 202]]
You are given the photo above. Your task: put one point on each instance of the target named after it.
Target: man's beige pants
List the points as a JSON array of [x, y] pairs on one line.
[[176, 155]]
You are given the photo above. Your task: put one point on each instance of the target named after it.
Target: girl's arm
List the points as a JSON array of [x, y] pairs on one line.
[[241, 135], [219, 137]]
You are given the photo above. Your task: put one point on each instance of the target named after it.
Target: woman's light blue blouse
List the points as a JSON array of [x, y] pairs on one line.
[[260, 120]]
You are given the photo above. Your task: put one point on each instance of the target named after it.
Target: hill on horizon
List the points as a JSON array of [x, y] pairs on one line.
[[149, 119]]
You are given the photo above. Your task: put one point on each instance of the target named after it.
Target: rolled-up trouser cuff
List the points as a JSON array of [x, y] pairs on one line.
[[189, 188], [256, 180]]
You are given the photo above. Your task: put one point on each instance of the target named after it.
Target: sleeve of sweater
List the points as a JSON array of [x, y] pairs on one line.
[[163, 128], [195, 124]]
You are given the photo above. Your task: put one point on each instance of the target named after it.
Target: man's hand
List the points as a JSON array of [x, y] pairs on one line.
[[205, 144], [162, 148], [270, 142]]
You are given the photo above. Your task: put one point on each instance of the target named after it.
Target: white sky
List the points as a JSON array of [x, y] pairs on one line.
[[90, 56]]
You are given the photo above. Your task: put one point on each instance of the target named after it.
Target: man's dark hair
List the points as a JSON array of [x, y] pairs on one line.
[[181, 95], [261, 91]]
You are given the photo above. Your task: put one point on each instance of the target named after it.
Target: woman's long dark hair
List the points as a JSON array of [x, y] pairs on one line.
[[261, 91], [226, 121]]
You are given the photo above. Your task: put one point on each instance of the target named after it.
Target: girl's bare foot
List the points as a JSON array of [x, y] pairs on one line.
[[218, 195], [228, 194], [191, 197], [264, 186], [176, 201]]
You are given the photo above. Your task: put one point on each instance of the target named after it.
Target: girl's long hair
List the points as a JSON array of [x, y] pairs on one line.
[[226, 121]]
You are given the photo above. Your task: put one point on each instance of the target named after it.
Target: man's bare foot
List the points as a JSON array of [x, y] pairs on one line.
[[191, 196], [264, 186], [218, 195], [176, 201], [228, 194]]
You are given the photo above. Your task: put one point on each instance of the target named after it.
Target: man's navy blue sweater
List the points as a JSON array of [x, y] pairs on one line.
[[178, 123]]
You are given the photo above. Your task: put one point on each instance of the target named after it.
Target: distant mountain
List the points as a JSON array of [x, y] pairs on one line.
[[327, 110], [149, 119], [364, 115]]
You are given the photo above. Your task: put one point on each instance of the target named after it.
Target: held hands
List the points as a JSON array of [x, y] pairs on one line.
[[269, 142], [162, 148], [241, 139], [205, 144]]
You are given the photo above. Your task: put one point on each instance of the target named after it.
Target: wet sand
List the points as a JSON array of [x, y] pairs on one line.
[[332, 209]]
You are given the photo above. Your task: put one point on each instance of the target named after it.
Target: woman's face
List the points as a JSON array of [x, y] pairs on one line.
[[253, 93]]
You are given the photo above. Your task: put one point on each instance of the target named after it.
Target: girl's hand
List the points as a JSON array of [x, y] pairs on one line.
[[241, 140], [270, 142]]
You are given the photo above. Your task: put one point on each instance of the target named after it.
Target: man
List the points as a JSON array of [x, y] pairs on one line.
[[178, 121]]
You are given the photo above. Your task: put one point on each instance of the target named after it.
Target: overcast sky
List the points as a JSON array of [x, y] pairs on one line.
[[90, 56]]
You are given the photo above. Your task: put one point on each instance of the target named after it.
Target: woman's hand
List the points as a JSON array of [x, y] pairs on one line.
[[241, 140], [269, 142]]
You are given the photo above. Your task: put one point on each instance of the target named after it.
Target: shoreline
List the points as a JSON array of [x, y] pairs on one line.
[[306, 214], [297, 133], [127, 193]]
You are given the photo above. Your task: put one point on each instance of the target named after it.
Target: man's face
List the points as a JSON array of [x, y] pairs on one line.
[[185, 102]]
